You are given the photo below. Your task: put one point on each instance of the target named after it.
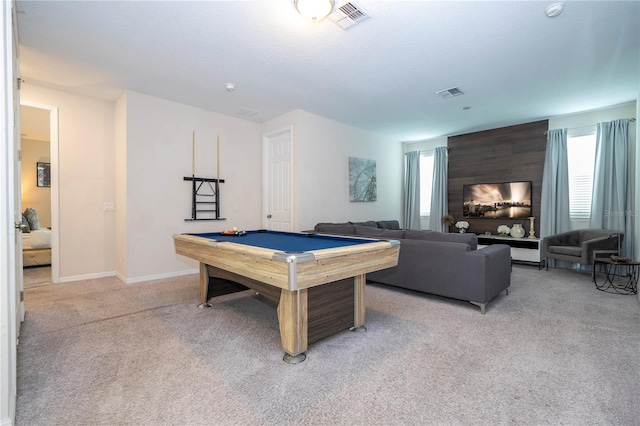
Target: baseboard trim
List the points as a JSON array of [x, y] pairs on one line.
[[128, 280], [159, 276], [87, 277]]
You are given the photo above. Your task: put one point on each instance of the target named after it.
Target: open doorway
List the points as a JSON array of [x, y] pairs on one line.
[[38, 138]]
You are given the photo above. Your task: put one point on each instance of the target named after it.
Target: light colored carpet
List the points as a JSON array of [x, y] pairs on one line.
[[554, 351]]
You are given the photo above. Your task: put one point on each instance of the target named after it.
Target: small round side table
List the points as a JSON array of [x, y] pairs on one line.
[[612, 268]]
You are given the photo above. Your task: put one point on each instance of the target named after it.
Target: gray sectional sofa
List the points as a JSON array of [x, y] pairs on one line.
[[443, 264]]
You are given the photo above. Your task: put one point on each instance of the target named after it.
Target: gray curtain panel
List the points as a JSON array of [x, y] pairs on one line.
[[554, 204], [439, 204], [612, 198], [412, 190]]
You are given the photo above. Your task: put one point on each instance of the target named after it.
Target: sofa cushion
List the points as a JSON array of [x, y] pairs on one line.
[[370, 223], [393, 234], [566, 250], [388, 224], [470, 239], [336, 228]]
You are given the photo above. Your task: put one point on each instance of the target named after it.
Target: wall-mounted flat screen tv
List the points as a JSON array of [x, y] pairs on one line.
[[508, 200]]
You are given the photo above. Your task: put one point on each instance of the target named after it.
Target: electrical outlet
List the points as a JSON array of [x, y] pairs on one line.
[[108, 207]]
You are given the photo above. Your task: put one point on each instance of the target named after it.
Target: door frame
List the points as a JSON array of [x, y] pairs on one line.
[[55, 185], [266, 138]]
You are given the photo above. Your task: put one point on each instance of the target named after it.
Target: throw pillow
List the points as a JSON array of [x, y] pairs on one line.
[[388, 224], [468, 238], [32, 217], [370, 223], [391, 234], [337, 228]]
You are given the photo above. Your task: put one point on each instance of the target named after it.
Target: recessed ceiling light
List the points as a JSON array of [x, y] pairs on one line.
[[230, 87], [554, 9]]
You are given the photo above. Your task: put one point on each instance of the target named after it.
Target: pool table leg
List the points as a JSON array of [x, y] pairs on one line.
[[204, 286], [292, 317], [359, 307]]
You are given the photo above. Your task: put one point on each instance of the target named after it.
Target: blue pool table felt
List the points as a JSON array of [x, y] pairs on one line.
[[285, 241]]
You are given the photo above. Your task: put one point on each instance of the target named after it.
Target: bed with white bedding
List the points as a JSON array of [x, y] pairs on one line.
[[36, 248]]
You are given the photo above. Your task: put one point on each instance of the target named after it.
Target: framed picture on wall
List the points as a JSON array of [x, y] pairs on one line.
[[362, 180], [44, 174]]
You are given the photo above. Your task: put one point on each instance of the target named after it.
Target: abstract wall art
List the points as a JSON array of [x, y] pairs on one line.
[[362, 180]]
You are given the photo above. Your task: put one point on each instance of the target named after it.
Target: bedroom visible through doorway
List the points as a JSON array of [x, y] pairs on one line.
[[36, 192]]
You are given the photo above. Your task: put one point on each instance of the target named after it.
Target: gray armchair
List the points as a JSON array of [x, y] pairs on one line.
[[581, 246]]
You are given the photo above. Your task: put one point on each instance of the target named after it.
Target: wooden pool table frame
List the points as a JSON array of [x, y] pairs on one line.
[[294, 282]]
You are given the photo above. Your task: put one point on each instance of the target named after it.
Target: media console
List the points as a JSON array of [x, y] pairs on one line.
[[523, 250]]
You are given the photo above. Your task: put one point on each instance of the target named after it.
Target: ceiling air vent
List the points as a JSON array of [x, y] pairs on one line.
[[244, 112], [450, 93], [348, 15]]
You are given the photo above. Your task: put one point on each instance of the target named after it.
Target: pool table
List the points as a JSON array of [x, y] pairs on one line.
[[315, 280]]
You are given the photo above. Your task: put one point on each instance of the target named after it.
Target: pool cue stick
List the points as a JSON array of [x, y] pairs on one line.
[[193, 176], [218, 180]]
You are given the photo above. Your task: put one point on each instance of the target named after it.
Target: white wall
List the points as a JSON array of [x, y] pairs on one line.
[[86, 181], [425, 145], [158, 156], [322, 148], [136, 151]]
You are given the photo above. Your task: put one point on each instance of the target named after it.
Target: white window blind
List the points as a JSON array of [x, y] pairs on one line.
[[581, 152], [426, 183]]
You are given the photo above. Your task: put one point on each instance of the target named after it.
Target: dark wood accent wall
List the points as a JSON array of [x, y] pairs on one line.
[[514, 153]]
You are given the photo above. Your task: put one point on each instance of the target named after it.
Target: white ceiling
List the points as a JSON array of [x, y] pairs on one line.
[[513, 63]]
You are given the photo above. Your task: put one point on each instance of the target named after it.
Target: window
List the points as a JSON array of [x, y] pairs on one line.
[[426, 183], [581, 153]]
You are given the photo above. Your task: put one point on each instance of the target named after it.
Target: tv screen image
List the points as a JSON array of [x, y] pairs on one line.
[[510, 200]]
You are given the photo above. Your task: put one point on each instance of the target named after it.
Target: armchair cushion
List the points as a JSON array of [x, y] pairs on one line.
[[566, 250]]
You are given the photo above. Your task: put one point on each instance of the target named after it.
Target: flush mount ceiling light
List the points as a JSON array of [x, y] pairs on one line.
[[314, 10], [554, 9]]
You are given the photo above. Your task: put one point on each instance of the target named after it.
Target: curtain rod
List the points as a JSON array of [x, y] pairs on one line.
[[427, 150], [632, 119]]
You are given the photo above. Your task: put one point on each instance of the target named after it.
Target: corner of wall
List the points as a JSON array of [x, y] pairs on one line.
[[120, 125], [637, 170]]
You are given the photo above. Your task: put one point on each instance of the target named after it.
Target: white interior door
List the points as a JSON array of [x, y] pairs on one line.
[[17, 176], [10, 239], [278, 193]]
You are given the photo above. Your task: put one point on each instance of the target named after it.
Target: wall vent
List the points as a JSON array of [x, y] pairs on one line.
[[450, 93], [348, 15]]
